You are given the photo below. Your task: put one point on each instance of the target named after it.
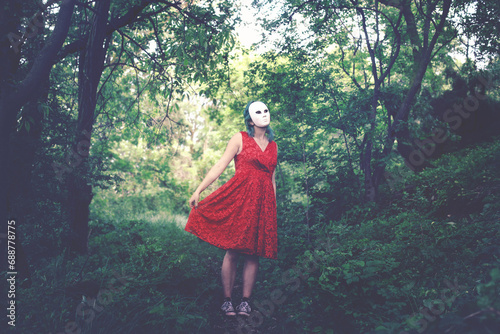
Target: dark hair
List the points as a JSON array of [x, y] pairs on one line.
[[250, 129]]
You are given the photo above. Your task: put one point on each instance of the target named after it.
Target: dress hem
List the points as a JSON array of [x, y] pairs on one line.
[[229, 248]]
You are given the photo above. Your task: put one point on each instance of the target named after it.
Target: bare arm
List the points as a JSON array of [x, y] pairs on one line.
[[233, 148], [274, 176], [274, 184]]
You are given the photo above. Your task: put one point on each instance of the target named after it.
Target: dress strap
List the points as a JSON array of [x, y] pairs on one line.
[[244, 137]]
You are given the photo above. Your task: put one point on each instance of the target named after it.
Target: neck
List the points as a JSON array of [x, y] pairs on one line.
[[259, 133]]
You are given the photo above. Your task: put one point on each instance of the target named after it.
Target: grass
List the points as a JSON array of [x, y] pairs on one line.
[[153, 277]]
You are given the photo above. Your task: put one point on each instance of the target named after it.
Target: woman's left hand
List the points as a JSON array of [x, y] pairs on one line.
[[193, 201]]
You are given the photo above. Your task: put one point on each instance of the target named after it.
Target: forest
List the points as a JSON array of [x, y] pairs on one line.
[[386, 114]]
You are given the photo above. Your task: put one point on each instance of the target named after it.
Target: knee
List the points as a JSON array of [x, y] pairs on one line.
[[232, 255]]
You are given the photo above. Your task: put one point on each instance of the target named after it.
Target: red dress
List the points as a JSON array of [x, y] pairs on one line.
[[241, 214]]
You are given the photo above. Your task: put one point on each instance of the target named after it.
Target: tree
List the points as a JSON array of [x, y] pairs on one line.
[[189, 42], [374, 42], [478, 20]]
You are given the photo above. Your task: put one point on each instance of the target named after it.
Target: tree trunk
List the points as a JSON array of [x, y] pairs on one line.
[[414, 158], [90, 71], [15, 95], [399, 129]]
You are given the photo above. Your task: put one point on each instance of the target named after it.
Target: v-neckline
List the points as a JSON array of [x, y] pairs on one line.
[[260, 148]]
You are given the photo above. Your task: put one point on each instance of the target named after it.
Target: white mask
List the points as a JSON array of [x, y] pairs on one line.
[[259, 114]]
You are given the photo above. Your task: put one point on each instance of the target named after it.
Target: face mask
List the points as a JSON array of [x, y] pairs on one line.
[[259, 114]]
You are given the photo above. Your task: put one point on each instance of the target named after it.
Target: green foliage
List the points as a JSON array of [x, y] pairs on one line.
[[371, 271], [152, 277], [489, 292], [166, 110], [459, 184], [383, 267], [480, 25], [146, 181]]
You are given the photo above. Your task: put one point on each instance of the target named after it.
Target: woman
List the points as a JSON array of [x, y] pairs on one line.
[[240, 216]]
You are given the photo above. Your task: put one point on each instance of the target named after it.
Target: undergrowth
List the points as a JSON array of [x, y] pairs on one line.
[[426, 260]]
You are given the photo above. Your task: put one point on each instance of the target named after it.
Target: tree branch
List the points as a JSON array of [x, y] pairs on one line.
[[45, 60], [395, 55], [112, 26]]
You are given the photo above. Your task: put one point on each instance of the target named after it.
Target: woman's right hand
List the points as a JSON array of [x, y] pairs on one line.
[[193, 201]]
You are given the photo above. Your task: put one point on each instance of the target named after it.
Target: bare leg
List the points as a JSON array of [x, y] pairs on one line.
[[250, 270], [228, 273]]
